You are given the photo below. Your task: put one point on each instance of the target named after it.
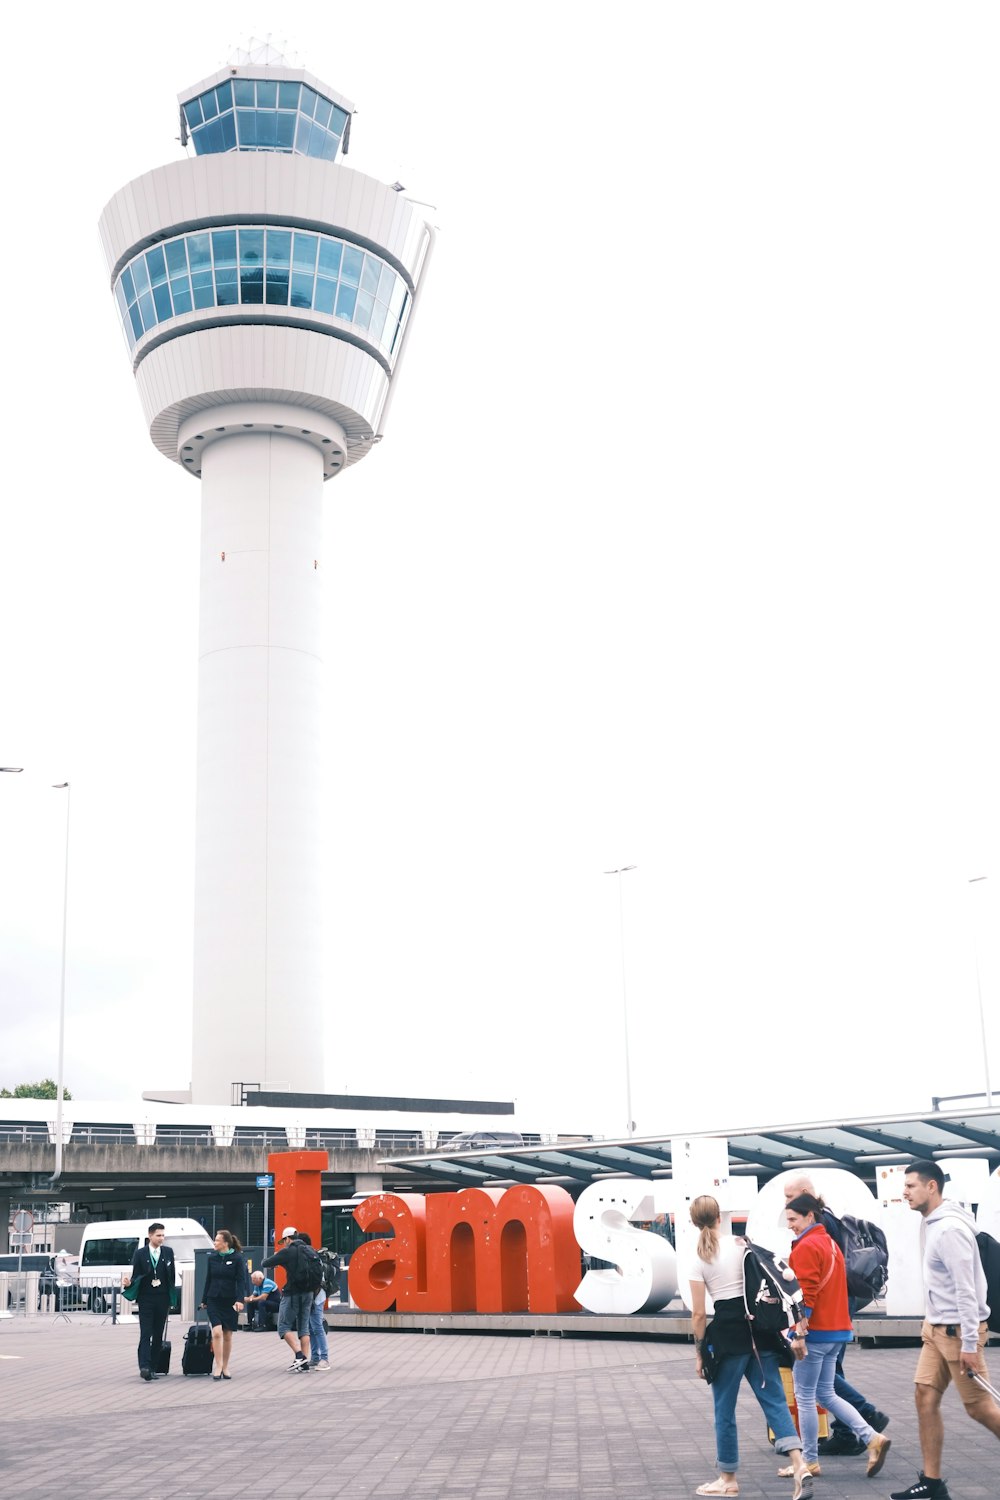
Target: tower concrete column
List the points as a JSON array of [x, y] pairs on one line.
[[258, 923]]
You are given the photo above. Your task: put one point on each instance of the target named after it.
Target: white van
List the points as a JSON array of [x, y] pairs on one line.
[[107, 1249]]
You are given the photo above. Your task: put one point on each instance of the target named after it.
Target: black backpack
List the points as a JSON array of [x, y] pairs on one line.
[[330, 1261], [772, 1297], [989, 1254], [866, 1257], [306, 1275]]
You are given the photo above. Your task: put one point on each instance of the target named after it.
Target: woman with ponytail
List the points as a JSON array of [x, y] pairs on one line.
[[725, 1344]]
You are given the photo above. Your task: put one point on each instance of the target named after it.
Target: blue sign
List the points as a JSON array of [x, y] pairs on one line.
[[265, 1179]]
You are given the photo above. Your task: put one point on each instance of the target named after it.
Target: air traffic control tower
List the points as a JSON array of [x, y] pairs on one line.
[[266, 293]]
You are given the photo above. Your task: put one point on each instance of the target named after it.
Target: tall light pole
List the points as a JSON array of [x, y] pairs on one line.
[[621, 928], [61, 786], [976, 880]]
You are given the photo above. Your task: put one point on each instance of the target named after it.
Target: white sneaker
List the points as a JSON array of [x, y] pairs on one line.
[[322, 1364]]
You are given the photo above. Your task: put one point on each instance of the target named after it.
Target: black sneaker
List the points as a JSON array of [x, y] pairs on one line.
[[922, 1491], [844, 1444], [876, 1419]]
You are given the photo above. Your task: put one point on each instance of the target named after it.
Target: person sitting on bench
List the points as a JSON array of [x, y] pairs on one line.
[[262, 1303]]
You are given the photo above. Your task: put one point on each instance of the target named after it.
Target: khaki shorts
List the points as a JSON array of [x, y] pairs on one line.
[[940, 1363]]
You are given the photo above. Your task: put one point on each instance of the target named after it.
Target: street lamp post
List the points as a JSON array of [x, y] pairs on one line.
[[621, 928], [61, 786], [976, 880]]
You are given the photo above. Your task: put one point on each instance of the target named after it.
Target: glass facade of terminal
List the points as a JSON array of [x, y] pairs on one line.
[[263, 114], [255, 266]]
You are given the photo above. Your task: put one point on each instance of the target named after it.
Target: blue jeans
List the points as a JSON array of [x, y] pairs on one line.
[[763, 1376], [842, 1385], [814, 1378], [848, 1392], [318, 1348]]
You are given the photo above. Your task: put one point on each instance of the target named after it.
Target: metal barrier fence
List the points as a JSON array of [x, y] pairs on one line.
[[39, 1294]]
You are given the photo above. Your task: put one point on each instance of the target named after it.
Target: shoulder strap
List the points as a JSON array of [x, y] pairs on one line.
[[834, 1252]]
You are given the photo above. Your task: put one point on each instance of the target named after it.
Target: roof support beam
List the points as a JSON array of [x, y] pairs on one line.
[[820, 1148], [757, 1158], [967, 1133], [892, 1142]]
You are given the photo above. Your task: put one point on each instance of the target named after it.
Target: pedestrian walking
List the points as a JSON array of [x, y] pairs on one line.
[[841, 1439], [954, 1331], [819, 1266], [226, 1288], [154, 1274], [726, 1353], [297, 1297], [319, 1349]]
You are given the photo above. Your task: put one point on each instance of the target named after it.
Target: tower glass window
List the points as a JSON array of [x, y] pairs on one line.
[[265, 114], [257, 264]]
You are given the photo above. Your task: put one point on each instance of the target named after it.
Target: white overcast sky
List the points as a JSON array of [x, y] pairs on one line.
[[680, 551]]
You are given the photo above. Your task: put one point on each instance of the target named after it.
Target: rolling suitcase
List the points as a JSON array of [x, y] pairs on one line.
[[163, 1363], [198, 1358]]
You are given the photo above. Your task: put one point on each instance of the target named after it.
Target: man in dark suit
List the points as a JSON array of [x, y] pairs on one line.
[[153, 1269]]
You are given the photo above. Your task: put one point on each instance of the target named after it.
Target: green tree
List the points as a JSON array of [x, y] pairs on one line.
[[45, 1088]]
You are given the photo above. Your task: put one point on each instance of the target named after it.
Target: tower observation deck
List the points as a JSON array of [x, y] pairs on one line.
[[266, 292]]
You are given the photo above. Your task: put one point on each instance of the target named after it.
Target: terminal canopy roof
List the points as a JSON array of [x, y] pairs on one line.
[[861, 1146]]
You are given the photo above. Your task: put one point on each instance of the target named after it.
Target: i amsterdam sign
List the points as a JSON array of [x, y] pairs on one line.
[[487, 1250]]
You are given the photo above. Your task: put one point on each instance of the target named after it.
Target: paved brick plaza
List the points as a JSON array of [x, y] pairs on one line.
[[399, 1415]]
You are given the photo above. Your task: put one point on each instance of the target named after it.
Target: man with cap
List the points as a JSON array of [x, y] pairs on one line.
[[296, 1299]]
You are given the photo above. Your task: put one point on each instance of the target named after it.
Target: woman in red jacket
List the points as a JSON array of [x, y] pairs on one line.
[[818, 1264]]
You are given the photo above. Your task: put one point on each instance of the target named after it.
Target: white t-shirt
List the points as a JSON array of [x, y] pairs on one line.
[[723, 1276]]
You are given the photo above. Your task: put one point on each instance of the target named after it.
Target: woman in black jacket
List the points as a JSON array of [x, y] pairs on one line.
[[226, 1285]]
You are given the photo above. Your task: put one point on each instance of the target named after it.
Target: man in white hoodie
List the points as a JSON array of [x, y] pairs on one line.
[[954, 1331]]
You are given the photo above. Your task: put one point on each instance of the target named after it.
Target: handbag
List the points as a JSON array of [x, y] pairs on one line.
[[785, 1352], [709, 1361]]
